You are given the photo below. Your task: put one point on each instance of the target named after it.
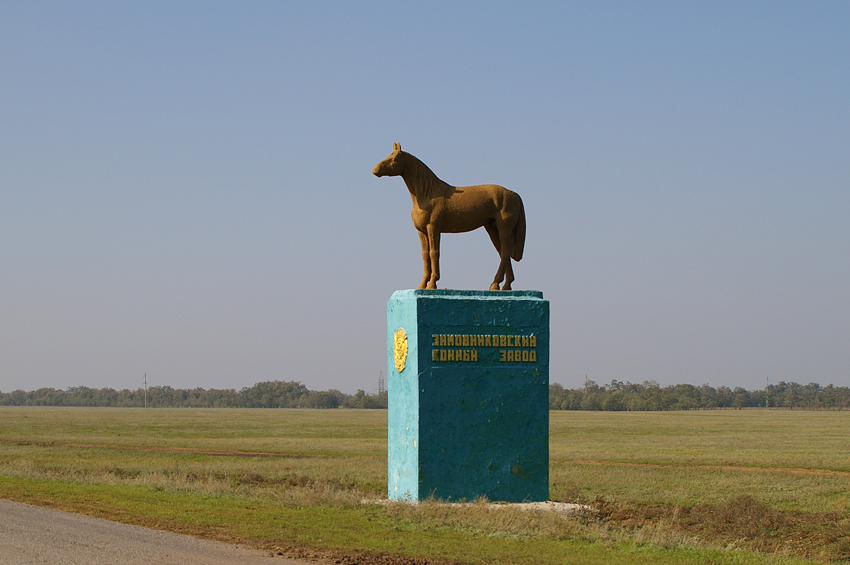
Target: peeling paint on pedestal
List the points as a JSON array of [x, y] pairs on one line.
[[469, 412]]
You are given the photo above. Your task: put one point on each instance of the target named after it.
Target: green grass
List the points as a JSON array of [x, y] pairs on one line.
[[674, 487]]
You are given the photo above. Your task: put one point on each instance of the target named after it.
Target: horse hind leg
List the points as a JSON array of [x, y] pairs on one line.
[[509, 276], [493, 232], [505, 268], [505, 272]]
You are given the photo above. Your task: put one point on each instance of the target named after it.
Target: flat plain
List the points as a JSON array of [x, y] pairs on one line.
[[736, 486]]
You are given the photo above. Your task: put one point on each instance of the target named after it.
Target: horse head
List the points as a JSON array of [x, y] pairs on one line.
[[392, 166]]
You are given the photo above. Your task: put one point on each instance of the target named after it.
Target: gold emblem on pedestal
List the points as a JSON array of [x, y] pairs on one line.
[[400, 349]]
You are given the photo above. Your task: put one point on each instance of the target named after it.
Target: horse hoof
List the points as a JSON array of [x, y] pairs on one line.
[[494, 286], [506, 287]]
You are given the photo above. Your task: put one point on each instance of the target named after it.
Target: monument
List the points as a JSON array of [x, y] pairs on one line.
[[468, 371], [439, 208]]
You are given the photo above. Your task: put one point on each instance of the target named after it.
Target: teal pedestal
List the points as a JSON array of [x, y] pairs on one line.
[[468, 386]]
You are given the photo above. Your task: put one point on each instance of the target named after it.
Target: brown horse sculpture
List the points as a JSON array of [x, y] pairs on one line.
[[441, 208]]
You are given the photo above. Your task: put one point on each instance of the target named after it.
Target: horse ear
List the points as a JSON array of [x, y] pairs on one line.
[[396, 146]]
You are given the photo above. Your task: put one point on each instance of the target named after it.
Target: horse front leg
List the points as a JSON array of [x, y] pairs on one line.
[[434, 244], [426, 259]]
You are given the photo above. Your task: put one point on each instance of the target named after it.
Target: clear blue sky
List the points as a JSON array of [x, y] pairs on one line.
[[186, 187]]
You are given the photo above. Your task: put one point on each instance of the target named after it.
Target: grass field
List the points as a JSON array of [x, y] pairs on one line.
[[673, 487]]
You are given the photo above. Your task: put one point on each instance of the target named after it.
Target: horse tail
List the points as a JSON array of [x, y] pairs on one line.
[[519, 231]]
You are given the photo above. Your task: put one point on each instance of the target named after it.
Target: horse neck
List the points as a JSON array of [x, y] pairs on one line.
[[421, 181]]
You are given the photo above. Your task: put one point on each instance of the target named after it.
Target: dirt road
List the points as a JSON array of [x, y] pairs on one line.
[[31, 535]]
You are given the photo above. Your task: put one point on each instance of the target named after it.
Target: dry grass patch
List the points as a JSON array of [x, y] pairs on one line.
[[740, 523]]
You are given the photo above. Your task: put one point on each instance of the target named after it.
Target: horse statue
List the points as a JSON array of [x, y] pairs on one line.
[[440, 208]]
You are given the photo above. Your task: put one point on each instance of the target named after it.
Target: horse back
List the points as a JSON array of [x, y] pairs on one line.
[[467, 208]]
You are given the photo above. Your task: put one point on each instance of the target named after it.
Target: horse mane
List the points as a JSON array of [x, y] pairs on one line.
[[423, 179]]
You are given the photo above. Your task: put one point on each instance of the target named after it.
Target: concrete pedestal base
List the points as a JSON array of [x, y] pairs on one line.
[[468, 384]]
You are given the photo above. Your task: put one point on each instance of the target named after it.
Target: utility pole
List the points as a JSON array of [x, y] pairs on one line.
[[381, 383], [146, 390]]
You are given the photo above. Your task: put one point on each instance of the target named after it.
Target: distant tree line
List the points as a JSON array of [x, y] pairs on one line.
[[615, 396], [650, 395], [271, 394]]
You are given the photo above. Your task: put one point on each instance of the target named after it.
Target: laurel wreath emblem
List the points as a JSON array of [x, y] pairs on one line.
[[400, 349]]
